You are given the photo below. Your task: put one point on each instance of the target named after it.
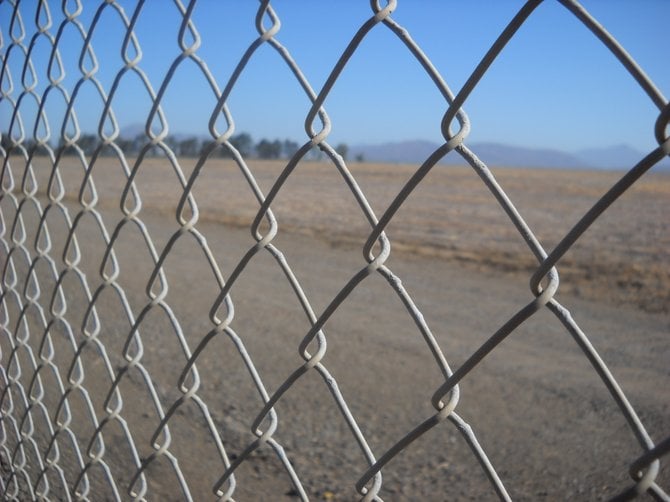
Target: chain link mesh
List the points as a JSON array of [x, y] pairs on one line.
[[87, 411]]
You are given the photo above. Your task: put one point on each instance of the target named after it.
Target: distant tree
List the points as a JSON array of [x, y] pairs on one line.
[[289, 148], [138, 142], [67, 150], [242, 143], [276, 148], [223, 151], [107, 151], [268, 149], [204, 144], [88, 143], [173, 144], [360, 157], [126, 145], [189, 147], [33, 148], [343, 150], [316, 154], [29, 144], [6, 141], [42, 149]]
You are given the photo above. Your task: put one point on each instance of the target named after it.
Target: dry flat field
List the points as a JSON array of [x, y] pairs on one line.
[[451, 215], [539, 410]]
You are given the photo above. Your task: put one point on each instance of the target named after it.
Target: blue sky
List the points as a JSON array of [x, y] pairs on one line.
[[554, 86]]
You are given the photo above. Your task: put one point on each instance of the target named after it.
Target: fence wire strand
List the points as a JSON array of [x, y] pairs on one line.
[[50, 451]]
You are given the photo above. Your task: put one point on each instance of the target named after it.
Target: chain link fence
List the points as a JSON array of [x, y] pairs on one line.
[[129, 369]]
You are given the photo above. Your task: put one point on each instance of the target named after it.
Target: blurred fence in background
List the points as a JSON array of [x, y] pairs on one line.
[[61, 426]]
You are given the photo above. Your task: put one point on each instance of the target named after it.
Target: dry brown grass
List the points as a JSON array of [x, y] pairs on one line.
[[623, 257]]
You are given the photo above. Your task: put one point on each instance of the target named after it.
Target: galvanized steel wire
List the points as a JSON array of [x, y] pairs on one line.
[[23, 441]]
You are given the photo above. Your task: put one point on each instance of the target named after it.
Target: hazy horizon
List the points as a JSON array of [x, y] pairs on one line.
[[554, 86]]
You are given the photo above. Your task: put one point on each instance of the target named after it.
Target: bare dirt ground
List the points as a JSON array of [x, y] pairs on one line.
[[539, 410]]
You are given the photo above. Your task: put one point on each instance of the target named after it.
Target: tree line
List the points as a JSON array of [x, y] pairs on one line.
[[190, 146]]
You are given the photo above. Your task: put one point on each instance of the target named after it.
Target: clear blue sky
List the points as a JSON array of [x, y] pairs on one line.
[[555, 85]]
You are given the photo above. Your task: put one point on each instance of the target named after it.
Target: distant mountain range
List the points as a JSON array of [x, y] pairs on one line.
[[496, 154]]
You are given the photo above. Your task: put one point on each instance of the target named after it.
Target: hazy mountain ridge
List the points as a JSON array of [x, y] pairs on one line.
[[617, 157], [497, 154]]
